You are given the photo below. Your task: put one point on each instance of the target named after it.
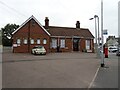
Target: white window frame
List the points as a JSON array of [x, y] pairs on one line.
[[25, 41], [38, 41], [44, 41], [18, 41], [87, 44], [54, 43], [32, 41], [62, 43]]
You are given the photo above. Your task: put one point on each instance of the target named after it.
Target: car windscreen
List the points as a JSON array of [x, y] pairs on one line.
[[40, 47], [112, 48]]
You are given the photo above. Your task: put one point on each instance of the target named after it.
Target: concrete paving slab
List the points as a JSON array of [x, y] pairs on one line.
[[108, 76]]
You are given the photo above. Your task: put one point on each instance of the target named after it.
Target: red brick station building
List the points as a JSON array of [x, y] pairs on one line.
[[31, 33]]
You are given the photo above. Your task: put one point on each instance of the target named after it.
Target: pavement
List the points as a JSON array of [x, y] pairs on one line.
[[107, 77]]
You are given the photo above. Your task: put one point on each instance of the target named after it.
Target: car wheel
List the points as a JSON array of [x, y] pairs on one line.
[[44, 53], [31, 52], [34, 53]]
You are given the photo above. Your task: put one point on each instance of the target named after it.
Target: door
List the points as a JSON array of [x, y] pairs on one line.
[[75, 44]]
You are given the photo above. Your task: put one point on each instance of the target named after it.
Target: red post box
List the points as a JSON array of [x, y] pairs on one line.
[[106, 52]]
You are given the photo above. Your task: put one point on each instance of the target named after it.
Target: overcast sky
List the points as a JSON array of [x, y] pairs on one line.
[[63, 13]]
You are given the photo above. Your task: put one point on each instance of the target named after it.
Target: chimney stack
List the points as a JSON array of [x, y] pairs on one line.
[[77, 24], [46, 22]]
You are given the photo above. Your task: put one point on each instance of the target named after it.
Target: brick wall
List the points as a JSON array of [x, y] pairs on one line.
[[31, 30], [68, 45], [82, 44]]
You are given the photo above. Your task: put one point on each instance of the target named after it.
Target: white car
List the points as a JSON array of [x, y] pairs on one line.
[[38, 50], [112, 49]]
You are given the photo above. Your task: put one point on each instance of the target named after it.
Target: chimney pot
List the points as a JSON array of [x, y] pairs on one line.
[[77, 24], [46, 22]]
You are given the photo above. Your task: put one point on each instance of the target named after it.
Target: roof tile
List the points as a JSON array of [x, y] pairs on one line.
[[68, 31]]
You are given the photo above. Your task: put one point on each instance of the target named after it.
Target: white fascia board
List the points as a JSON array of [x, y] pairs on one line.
[[70, 37], [61, 37], [41, 25], [32, 17], [22, 25]]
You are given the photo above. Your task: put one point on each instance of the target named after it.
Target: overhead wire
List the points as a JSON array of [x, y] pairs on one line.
[[11, 8]]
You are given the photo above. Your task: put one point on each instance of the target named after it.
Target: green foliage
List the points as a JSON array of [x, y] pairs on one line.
[[7, 34]]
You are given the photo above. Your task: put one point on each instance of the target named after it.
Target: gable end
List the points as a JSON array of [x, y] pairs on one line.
[[32, 17]]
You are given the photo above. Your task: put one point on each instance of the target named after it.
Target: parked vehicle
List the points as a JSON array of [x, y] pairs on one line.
[[38, 50], [118, 52], [113, 49]]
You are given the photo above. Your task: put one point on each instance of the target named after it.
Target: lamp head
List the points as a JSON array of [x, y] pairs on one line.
[[91, 18], [95, 16]]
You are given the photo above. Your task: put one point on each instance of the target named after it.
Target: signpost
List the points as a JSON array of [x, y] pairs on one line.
[[105, 32]]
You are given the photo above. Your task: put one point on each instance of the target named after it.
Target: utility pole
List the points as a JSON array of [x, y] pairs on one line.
[[102, 38]]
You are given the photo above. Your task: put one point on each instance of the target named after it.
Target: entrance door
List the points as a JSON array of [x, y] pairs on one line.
[[75, 44]]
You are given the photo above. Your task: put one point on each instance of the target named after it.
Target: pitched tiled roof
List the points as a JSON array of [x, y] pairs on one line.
[[86, 33], [67, 31]]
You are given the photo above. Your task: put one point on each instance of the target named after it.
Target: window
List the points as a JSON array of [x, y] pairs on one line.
[[54, 43], [18, 41], [32, 41], [88, 44], [25, 41], [44, 41], [62, 43], [38, 41]]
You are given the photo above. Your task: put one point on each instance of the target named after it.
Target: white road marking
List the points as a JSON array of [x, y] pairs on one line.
[[93, 78]]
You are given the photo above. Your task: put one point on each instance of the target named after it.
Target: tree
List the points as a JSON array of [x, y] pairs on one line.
[[7, 34]]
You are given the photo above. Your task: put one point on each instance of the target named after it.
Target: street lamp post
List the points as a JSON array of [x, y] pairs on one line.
[[96, 45], [96, 16], [98, 49]]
